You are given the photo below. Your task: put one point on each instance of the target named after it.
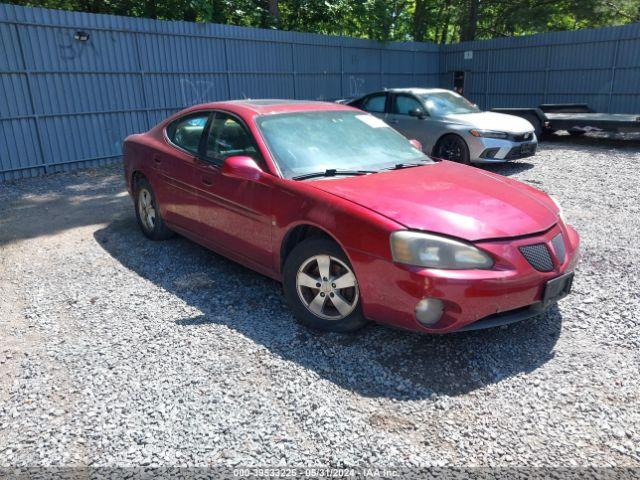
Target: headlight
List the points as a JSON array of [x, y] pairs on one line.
[[560, 211], [488, 134], [433, 251]]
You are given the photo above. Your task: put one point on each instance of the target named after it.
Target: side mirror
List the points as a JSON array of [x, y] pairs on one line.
[[418, 113], [416, 144], [241, 167]]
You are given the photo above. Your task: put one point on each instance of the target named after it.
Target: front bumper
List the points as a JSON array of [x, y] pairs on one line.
[[511, 291], [494, 150]]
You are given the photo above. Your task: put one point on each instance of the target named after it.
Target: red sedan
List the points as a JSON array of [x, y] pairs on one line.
[[355, 220]]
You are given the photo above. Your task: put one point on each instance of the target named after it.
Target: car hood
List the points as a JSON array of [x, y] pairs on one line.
[[493, 121], [450, 199]]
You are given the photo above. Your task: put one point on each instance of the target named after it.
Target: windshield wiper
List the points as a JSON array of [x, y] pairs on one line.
[[331, 172], [399, 166]]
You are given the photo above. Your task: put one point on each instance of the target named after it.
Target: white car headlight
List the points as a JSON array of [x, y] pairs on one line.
[[488, 134], [433, 251]]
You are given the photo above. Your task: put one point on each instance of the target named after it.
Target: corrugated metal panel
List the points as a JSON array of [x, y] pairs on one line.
[[588, 66], [164, 53], [316, 59], [74, 102], [318, 87], [629, 53], [182, 90], [10, 58], [14, 95], [54, 49], [17, 148], [63, 93]]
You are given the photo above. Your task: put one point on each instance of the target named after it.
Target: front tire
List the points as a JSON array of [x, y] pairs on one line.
[[148, 214], [454, 148], [321, 288]]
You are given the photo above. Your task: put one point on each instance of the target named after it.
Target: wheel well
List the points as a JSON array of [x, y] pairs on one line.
[[135, 178], [295, 236]]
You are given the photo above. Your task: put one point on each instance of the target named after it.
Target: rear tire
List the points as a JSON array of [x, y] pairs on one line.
[[148, 212], [452, 147], [537, 125], [334, 305]]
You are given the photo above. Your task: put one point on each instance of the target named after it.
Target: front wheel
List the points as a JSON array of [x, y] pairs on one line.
[[321, 287], [452, 147]]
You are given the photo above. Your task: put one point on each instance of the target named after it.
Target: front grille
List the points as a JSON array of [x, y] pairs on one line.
[[538, 256], [558, 246], [521, 151], [522, 137]]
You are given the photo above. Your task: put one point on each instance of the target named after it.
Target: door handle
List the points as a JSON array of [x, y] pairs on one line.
[[207, 181], [395, 122], [157, 160]]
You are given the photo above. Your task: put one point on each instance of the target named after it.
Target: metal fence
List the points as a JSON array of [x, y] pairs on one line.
[[73, 85], [67, 103], [600, 67]]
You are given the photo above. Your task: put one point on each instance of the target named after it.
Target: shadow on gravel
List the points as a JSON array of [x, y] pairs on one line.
[[35, 207], [374, 362], [509, 168]]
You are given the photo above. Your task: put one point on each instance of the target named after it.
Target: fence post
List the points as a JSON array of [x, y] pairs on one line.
[[613, 75], [141, 72], [413, 64], [226, 68], [342, 67], [27, 73], [486, 80], [546, 76], [293, 66], [381, 69]]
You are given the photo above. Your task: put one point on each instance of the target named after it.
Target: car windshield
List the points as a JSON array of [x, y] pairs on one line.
[[440, 104], [308, 142]]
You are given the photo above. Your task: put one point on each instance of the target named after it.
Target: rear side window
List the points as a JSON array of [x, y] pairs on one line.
[[186, 132], [375, 103]]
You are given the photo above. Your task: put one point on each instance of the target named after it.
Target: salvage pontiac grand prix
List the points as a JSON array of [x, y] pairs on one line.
[[355, 221]]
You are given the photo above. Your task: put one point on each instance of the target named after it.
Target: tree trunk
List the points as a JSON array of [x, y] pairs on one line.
[[469, 26], [274, 10], [419, 21], [150, 9]]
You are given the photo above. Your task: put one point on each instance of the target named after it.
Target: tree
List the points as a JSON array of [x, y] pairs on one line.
[[440, 21]]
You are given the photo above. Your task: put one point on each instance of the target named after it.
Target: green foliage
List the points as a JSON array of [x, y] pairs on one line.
[[441, 21]]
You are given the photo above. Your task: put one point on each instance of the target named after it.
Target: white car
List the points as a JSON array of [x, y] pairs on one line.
[[451, 127]]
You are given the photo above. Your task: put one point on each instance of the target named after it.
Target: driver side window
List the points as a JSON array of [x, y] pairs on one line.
[[228, 137], [404, 104]]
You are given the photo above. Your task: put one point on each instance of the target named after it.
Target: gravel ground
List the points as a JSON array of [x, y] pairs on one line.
[[117, 351]]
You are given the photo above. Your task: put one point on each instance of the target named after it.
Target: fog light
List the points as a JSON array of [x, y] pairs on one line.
[[489, 153], [429, 311]]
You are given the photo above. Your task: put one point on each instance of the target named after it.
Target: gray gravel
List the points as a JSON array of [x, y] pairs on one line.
[[117, 351]]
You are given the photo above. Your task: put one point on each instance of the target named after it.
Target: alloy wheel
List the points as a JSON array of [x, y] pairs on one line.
[[451, 150], [327, 287], [146, 209]]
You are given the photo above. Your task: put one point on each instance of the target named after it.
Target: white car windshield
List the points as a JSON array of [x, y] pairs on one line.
[[308, 142], [440, 104]]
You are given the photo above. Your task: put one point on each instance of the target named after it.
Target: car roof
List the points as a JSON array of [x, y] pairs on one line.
[[272, 106], [418, 90]]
